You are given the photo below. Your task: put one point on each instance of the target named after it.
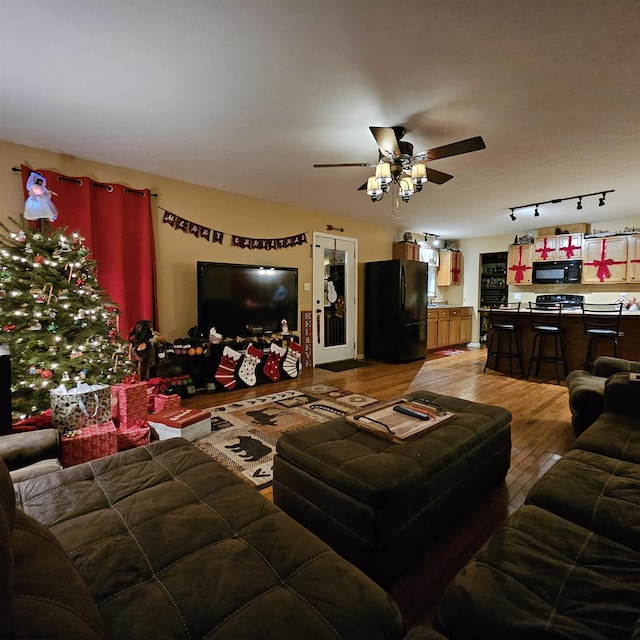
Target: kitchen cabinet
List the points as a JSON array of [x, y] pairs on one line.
[[406, 251], [604, 260], [570, 246], [448, 326], [520, 264], [450, 269], [432, 329], [633, 259], [546, 249]]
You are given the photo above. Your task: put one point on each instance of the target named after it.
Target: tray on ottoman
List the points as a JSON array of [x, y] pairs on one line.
[[377, 502]]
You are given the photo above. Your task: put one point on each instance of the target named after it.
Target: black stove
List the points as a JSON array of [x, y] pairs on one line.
[[567, 301]]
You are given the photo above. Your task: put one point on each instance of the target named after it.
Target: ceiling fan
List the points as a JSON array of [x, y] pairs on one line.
[[397, 164]]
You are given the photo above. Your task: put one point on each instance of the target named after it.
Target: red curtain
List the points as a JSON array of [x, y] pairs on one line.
[[116, 223]]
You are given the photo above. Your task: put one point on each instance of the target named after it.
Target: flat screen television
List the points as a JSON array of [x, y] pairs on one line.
[[245, 299]]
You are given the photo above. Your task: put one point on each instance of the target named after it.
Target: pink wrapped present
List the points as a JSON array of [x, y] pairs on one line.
[[130, 401], [89, 443], [136, 436], [164, 402]]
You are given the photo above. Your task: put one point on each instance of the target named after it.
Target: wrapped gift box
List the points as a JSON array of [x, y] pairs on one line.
[[136, 436], [89, 443], [129, 403], [189, 424], [164, 401]]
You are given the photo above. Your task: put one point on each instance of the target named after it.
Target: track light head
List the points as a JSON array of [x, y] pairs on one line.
[[579, 205], [512, 215], [536, 213], [601, 200]]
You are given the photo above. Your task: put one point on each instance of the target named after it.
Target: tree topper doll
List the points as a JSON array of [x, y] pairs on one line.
[[38, 205]]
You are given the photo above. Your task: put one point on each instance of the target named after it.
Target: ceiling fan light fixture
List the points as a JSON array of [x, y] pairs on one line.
[[406, 189], [418, 174], [383, 173], [373, 189]]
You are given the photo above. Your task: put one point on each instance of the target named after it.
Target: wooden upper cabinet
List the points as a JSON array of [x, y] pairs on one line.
[[546, 249], [604, 260], [406, 251], [560, 247], [450, 269], [633, 259], [520, 264], [570, 246]]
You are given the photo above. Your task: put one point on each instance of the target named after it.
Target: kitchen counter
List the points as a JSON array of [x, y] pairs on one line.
[[576, 340]]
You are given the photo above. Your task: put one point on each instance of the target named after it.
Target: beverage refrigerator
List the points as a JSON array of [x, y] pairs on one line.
[[395, 305]]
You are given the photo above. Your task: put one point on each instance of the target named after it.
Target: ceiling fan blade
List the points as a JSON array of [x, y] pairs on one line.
[[343, 164], [437, 177], [386, 140], [456, 148]]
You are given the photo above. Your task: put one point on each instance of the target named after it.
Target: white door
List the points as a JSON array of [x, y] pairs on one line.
[[335, 298]]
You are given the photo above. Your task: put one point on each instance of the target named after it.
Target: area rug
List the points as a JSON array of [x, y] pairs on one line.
[[449, 352], [344, 365], [244, 433]]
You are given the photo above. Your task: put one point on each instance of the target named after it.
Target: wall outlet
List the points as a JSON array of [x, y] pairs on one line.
[[307, 286]]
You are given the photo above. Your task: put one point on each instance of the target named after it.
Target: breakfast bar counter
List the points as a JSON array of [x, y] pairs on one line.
[[575, 340]]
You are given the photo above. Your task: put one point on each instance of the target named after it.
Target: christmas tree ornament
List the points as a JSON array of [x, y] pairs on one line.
[[32, 370], [52, 328], [46, 374], [39, 259], [8, 328], [65, 376], [38, 205], [35, 325]]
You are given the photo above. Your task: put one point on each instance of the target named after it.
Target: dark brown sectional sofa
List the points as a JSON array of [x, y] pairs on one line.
[[567, 563], [163, 542]]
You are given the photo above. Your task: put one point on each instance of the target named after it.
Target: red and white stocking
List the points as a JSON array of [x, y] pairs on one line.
[[272, 365], [247, 371], [291, 362], [225, 374]]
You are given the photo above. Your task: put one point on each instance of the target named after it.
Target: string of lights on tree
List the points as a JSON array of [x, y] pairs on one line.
[[60, 325]]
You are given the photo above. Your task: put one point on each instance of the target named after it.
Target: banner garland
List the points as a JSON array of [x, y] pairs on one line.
[[211, 235]]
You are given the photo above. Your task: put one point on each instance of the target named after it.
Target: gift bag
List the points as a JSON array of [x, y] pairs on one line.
[[84, 405]]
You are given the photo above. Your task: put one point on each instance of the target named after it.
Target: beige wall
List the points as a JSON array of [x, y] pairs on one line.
[[177, 252]]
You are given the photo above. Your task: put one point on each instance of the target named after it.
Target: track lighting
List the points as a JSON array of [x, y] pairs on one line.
[[536, 213], [432, 239]]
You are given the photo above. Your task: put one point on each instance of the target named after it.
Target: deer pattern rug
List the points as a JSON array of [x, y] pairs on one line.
[[244, 433]]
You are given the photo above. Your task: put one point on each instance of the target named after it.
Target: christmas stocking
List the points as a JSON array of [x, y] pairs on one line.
[[247, 371], [225, 374], [272, 365], [290, 364]]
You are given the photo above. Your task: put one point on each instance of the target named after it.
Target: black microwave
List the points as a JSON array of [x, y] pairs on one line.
[[557, 272]]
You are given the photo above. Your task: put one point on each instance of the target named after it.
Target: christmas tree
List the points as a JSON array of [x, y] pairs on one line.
[[60, 326]]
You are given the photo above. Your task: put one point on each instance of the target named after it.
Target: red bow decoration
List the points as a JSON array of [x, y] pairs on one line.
[[455, 270], [604, 263], [519, 268], [570, 248], [545, 251]]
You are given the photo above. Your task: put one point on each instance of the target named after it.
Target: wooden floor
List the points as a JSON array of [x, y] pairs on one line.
[[541, 434]]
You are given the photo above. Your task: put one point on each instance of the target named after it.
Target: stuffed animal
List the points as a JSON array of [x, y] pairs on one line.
[[144, 346]]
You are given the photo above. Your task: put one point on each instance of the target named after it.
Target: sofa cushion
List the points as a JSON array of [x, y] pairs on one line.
[[172, 544], [613, 435], [585, 398], [540, 576], [50, 598], [599, 493]]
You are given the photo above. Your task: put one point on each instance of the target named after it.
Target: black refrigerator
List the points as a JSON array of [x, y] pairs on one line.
[[395, 305]]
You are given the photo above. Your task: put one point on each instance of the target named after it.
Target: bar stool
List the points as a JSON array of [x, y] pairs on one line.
[[503, 327], [545, 324], [601, 322]]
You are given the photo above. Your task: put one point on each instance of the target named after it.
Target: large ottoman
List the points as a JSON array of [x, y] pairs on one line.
[[378, 503]]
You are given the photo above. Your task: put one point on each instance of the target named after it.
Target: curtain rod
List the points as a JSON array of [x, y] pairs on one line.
[[108, 187]]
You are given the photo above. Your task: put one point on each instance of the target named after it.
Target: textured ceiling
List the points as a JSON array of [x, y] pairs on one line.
[[245, 96]]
